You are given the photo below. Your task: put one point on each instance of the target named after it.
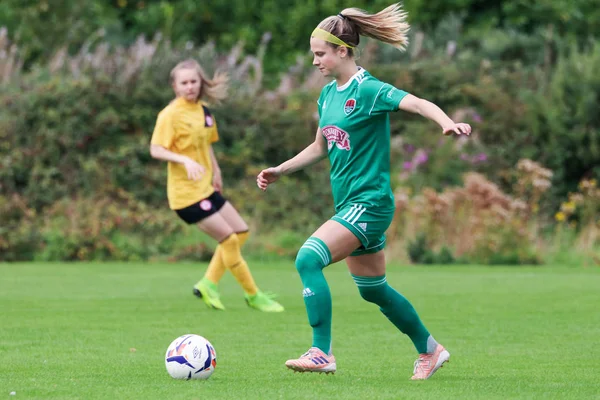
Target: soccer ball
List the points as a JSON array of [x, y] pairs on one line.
[[190, 357]]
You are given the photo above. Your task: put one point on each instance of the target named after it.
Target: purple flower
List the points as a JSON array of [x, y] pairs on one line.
[[477, 117], [421, 158], [481, 157], [407, 165], [464, 157], [409, 148]]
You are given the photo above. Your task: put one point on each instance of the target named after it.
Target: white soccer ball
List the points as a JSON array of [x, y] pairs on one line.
[[190, 357]]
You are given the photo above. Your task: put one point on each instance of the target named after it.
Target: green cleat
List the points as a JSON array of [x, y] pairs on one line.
[[208, 292], [263, 302]]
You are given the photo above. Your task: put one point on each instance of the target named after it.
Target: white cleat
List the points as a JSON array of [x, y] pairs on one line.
[[314, 360], [428, 363]]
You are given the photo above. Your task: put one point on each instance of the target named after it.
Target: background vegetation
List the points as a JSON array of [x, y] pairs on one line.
[[81, 84]]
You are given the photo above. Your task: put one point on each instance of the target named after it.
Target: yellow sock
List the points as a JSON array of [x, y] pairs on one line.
[[216, 267], [233, 260]]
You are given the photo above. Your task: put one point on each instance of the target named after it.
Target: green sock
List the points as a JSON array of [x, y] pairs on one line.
[[396, 308], [312, 257]]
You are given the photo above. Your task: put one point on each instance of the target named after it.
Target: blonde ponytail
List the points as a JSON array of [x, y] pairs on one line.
[[388, 25]]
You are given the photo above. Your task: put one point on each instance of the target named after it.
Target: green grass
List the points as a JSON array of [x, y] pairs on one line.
[[67, 330]]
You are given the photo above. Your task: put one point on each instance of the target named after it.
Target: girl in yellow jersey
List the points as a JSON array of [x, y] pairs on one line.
[[183, 136]]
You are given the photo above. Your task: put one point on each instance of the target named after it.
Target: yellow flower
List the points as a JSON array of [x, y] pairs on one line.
[[587, 184], [560, 216], [568, 207]]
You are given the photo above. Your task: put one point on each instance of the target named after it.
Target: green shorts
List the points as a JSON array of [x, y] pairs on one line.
[[367, 224]]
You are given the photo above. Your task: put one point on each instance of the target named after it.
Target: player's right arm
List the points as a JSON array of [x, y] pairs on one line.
[[432, 112], [312, 154], [194, 170], [162, 139]]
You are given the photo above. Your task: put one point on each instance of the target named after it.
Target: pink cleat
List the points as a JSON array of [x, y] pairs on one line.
[[428, 363], [314, 360]]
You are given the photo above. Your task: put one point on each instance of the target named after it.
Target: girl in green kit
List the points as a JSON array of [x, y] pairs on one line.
[[354, 133]]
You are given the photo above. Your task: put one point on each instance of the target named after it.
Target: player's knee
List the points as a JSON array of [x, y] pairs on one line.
[[231, 240], [374, 294], [231, 246], [242, 237], [306, 261], [312, 256], [367, 294]]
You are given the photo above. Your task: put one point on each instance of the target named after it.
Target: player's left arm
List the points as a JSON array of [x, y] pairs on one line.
[[431, 111], [217, 180]]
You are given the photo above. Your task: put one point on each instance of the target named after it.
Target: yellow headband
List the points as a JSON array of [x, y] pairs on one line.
[[328, 37]]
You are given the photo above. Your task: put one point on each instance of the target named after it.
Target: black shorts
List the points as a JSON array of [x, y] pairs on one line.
[[202, 209]]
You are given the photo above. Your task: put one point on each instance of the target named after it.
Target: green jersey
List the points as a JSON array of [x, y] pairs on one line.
[[355, 123]]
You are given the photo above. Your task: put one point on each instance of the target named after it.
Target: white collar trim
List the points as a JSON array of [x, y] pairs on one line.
[[360, 71]]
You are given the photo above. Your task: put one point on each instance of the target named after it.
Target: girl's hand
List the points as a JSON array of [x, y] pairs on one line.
[[267, 176], [194, 170], [217, 181], [458, 128]]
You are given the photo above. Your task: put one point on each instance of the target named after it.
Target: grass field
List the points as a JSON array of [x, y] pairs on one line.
[[100, 331]]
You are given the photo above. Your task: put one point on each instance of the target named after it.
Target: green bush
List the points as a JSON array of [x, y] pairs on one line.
[[420, 252], [115, 227], [19, 235], [564, 119], [80, 133]]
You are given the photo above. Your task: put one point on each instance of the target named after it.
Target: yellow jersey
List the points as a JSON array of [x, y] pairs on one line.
[[188, 129]]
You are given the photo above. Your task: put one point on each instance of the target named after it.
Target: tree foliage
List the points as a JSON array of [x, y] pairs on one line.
[[44, 25]]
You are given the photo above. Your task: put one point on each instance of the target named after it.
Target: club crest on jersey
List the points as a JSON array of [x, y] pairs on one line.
[[333, 134], [349, 106], [208, 118]]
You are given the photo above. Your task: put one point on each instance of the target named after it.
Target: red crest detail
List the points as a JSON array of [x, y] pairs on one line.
[[349, 106], [205, 205]]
